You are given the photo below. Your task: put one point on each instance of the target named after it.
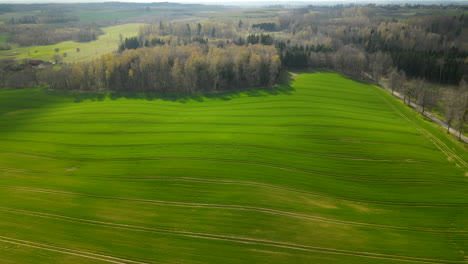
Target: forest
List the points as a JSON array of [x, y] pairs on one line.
[[173, 70]]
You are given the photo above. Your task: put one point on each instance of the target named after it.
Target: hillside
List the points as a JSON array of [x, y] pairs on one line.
[[327, 170], [105, 44]]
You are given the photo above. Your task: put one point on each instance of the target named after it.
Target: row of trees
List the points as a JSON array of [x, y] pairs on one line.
[[357, 39], [189, 30], [349, 59], [267, 26], [173, 70], [51, 18], [452, 102], [154, 40], [456, 107], [353, 61], [425, 46], [86, 34], [14, 74], [50, 34]]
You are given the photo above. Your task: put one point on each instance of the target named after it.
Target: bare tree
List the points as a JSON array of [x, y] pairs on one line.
[[394, 80], [425, 94], [409, 89], [379, 63], [450, 99], [57, 58], [461, 106], [350, 60], [441, 64]]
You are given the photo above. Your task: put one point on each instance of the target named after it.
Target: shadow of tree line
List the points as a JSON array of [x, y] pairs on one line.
[[282, 88]]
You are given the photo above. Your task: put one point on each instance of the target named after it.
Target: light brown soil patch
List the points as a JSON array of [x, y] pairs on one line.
[[322, 204], [360, 208]]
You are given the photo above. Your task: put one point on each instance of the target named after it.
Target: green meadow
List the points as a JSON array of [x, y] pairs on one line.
[[324, 170], [106, 43]]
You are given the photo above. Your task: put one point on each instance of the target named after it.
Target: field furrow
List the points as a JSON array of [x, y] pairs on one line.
[[324, 170]]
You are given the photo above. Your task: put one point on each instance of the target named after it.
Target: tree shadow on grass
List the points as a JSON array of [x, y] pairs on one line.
[[282, 88], [361, 79], [311, 71]]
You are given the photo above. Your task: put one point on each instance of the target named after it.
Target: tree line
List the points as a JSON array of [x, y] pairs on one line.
[[426, 46], [210, 30], [453, 102], [51, 34], [173, 70], [50, 18], [267, 26]]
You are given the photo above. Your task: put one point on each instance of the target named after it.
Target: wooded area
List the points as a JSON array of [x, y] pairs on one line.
[[173, 70]]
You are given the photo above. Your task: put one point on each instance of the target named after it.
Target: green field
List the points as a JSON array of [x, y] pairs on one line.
[[88, 50], [327, 170], [108, 15]]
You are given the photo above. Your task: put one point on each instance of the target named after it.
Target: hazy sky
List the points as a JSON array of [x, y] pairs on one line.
[[217, 1], [155, 1], [227, 1], [141, 1]]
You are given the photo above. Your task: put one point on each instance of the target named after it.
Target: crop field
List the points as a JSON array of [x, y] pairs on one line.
[[88, 50], [108, 15], [326, 170], [250, 15]]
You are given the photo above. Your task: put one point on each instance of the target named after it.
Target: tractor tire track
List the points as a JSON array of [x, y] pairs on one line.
[[157, 121], [356, 178], [346, 140], [79, 253], [451, 155], [235, 125], [389, 203], [236, 239], [250, 209], [299, 152]]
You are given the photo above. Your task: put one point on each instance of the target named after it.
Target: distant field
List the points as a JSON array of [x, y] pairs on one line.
[[88, 50], [251, 16], [328, 170], [107, 15], [402, 12]]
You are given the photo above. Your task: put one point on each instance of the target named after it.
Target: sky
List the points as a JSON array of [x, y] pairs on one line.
[[214, 1], [232, 1], [152, 1]]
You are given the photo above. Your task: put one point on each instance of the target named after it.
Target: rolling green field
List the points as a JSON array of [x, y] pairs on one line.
[[88, 50], [327, 170]]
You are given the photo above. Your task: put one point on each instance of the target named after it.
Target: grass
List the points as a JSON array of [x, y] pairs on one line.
[[88, 50], [327, 170]]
